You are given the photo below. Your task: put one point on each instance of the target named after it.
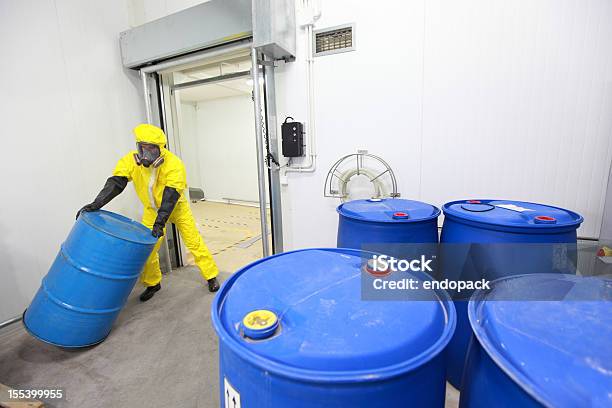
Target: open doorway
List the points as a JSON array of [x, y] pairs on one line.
[[215, 137]]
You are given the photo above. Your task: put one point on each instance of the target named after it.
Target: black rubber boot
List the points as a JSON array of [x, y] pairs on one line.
[[149, 292], [213, 285]]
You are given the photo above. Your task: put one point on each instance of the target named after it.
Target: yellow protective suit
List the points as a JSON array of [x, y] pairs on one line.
[[149, 183]]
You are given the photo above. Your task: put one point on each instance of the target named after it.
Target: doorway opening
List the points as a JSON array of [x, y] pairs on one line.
[[211, 115]]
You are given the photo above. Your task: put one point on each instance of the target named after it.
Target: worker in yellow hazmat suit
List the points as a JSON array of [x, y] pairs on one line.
[[160, 180]]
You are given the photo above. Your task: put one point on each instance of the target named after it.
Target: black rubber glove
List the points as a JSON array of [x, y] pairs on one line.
[[169, 199], [158, 231], [113, 187]]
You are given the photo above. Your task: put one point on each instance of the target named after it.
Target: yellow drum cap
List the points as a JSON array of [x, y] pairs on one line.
[[259, 324], [259, 319]]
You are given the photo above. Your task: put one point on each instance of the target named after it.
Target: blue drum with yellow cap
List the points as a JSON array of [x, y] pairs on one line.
[[294, 332]]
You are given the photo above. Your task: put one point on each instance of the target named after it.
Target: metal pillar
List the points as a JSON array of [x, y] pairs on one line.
[[261, 173], [274, 172]]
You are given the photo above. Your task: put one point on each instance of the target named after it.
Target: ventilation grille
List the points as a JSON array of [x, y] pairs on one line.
[[334, 40]]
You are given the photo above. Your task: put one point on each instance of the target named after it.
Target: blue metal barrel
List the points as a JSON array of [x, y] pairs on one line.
[[540, 340], [294, 332], [387, 225], [491, 239], [90, 280]]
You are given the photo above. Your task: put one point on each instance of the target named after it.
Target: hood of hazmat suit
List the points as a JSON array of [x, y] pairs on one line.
[[150, 143], [150, 181]]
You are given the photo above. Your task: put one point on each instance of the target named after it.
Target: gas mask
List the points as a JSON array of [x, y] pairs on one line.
[[148, 155]]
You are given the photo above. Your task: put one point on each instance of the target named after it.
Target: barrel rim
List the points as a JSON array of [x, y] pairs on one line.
[[548, 229], [74, 308], [37, 337], [456, 215], [86, 219], [319, 376], [85, 269], [436, 214], [527, 385]]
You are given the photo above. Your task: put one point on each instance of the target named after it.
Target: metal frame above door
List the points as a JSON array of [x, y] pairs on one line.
[[264, 125]]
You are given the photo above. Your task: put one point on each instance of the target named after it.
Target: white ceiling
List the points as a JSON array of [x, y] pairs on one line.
[[232, 87]]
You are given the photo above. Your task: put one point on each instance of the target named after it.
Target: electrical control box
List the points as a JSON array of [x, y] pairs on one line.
[[293, 138]]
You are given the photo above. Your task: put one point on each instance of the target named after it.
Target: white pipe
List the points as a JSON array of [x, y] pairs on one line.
[[10, 321], [311, 127]]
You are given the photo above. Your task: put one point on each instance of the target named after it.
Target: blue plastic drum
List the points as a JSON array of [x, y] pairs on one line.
[[387, 225], [294, 332], [491, 239], [90, 280], [540, 340]]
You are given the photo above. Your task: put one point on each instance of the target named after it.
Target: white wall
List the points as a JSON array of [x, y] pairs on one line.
[[226, 143], [464, 99], [67, 110], [144, 11], [366, 99], [518, 102], [188, 127]]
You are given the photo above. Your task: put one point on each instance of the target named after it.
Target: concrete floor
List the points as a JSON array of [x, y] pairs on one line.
[[162, 353]]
